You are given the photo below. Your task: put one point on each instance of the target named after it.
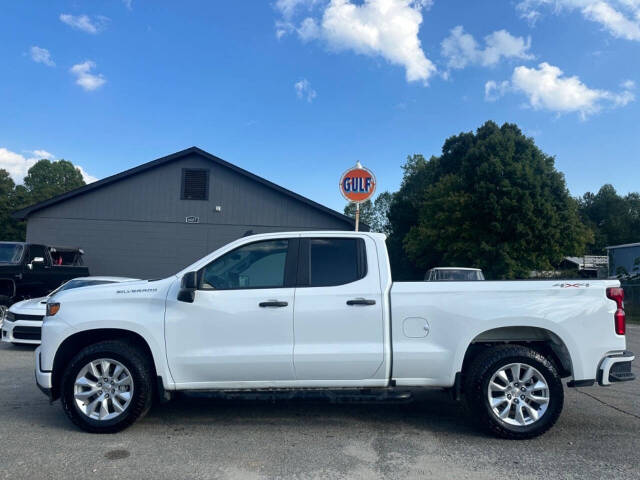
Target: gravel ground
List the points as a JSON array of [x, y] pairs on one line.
[[597, 436]]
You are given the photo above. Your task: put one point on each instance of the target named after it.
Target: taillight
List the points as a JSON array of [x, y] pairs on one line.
[[617, 295]]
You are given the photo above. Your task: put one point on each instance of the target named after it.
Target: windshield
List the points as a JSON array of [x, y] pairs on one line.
[[10, 252], [71, 284], [456, 275]]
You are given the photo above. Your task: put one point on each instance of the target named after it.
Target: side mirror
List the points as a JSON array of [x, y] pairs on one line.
[[36, 262], [188, 287]]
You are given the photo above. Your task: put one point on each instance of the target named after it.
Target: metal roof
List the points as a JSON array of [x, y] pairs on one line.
[[637, 244], [25, 212]]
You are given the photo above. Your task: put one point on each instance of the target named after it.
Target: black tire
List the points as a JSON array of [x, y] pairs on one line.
[[476, 380], [141, 372]]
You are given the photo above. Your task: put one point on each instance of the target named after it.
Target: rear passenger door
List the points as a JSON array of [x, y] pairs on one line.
[[338, 321]]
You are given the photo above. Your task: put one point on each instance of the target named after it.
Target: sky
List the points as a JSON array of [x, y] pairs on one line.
[[297, 91]]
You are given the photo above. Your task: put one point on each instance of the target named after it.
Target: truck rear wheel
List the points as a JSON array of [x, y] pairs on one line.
[[513, 392], [107, 386]]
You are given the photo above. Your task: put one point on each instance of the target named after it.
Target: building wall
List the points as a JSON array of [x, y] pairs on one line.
[[136, 226]]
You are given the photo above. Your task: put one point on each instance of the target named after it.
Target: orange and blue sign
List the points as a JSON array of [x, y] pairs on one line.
[[357, 184]]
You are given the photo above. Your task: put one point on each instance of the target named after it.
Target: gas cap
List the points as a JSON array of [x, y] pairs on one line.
[[415, 327]]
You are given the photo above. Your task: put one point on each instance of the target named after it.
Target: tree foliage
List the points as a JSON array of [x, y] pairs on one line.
[[44, 180], [614, 219], [492, 200], [374, 214], [48, 179]]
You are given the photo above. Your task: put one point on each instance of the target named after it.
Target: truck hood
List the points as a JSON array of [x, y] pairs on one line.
[[33, 304], [115, 291]]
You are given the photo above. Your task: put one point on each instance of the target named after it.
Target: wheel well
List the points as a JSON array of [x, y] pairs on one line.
[[73, 344], [543, 341], [7, 287]]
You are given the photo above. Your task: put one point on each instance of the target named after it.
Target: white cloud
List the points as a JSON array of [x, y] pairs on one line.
[[41, 55], [43, 154], [87, 80], [547, 88], [14, 163], [461, 49], [85, 176], [377, 28], [494, 90], [621, 18], [308, 29], [628, 84], [288, 7], [18, 165], [304, 90], [85, 23], [128, 4]]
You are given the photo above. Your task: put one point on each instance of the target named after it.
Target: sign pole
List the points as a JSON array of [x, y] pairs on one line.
[[357, 215]]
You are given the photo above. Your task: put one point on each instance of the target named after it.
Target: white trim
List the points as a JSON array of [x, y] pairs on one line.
[[637, 244]]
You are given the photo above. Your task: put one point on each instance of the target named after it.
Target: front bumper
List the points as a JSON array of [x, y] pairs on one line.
[[43, 379], [616, 368], [22, 331]]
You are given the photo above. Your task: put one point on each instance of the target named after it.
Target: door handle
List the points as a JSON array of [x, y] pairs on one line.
[[361, 301], [273, 303]]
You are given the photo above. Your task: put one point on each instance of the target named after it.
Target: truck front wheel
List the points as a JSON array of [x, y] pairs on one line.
[[107, 386], [513, 392]]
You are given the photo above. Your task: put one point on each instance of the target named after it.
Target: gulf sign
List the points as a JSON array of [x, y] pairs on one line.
[[357, 184]]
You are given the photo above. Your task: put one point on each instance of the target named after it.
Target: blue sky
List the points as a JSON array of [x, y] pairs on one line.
[[298, 90]]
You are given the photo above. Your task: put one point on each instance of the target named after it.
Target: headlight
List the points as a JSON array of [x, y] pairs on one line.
[[52, 309]]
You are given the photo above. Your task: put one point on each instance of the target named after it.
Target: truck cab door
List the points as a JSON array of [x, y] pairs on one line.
[[338, 316], [239, 326], [35, 272]]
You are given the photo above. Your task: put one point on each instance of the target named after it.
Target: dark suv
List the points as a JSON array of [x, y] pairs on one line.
[[31, 270]]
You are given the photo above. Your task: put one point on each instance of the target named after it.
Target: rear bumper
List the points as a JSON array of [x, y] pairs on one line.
[[616, 368]]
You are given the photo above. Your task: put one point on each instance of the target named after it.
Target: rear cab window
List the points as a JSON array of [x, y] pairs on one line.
[[330, 262]]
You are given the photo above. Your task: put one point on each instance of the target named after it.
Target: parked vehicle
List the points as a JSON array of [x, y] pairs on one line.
[[22, 322], [230, 322], [32, 270], [453, 274]]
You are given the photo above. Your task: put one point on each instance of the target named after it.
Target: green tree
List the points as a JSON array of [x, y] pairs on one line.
[[492, 200], [48, 179], [374, 214], [44, 180], [10, 228], [614, 219]]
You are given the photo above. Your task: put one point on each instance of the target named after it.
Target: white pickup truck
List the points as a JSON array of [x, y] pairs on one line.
[[318, 310]]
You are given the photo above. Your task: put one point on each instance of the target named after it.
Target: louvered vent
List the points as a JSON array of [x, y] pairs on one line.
[[195, 184]]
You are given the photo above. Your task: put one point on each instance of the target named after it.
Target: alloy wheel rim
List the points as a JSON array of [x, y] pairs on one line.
[[518, 394], [103, 389]]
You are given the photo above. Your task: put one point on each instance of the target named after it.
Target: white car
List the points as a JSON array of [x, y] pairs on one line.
[[318, 310], [22, 322]]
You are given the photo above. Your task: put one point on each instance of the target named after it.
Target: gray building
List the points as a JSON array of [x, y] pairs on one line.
[[157, 218], [624, 260]]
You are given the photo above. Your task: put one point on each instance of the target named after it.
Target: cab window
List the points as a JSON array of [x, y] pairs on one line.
[[256, 265], [36, 251], [330, 262]]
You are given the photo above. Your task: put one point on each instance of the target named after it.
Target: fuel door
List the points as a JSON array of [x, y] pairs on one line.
[[415, 327]]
